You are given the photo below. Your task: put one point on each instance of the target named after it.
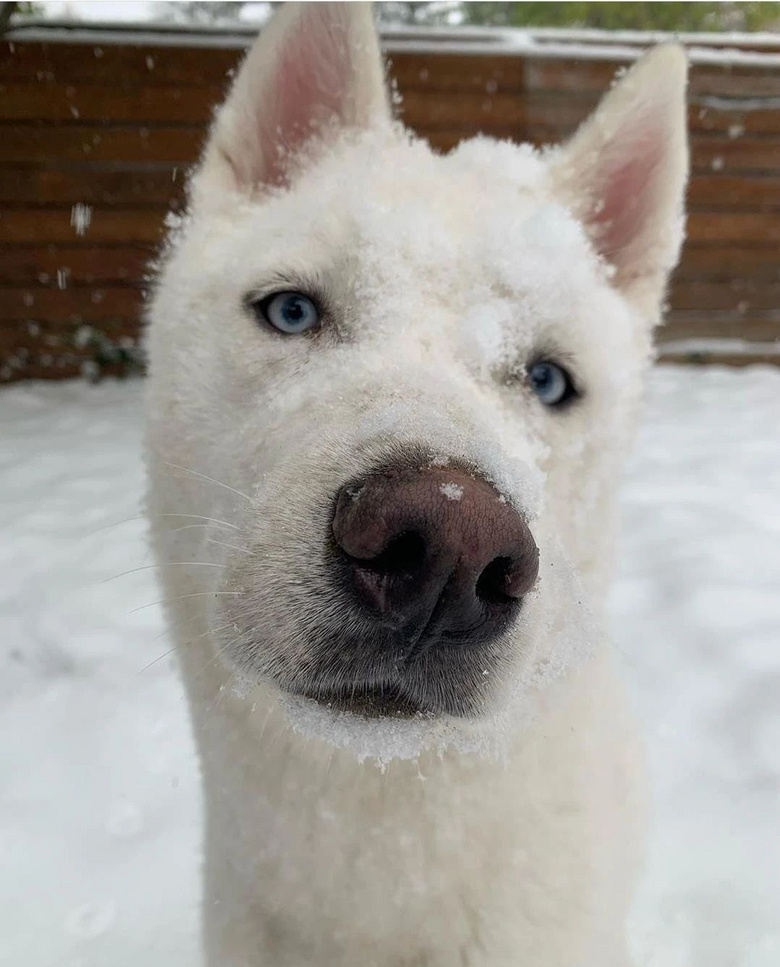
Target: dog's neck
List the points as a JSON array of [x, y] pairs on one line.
[[299, 832]]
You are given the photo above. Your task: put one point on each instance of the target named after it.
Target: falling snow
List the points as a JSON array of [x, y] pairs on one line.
[[80, 217]]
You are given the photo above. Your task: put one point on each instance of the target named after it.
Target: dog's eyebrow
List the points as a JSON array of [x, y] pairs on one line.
[[300, 277], [309, 284], [552, 352]]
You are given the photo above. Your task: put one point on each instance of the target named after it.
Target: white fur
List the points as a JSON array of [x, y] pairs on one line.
[[513, 838]]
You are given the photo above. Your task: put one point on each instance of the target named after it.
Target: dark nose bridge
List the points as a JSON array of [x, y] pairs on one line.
[[434, 552]]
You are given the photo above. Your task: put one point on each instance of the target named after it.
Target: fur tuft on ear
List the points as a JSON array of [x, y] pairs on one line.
[[624, 172], [315, 69]]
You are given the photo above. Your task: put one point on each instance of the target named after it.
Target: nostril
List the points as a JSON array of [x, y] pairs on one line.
[[404, 554], [492, 582], [410, 555]]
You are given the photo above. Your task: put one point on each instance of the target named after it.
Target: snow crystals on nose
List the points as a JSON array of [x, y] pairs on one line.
[[451, 491]]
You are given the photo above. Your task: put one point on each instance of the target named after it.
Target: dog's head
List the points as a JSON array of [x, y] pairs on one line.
[[419, 371]]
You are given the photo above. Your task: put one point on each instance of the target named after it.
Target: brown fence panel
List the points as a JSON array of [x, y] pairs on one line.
[[113, 125]]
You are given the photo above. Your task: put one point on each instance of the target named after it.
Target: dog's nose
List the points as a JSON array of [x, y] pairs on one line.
[[435, 553]]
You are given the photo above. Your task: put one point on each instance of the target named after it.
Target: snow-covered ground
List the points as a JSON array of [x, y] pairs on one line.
[[99, 807]]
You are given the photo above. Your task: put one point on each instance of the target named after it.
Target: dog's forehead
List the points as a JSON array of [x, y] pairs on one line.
[[391, 203], [377, 181]]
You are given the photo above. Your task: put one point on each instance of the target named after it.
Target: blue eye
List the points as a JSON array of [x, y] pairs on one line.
[[290, 312], [551, 383]]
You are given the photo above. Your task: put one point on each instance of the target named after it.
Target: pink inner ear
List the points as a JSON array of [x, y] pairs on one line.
[[625, 192], [311, 87]]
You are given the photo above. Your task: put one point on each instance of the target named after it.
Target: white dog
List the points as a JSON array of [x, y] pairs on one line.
[[397, 388]]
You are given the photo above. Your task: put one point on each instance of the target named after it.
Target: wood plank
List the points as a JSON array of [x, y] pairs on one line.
[[45, 100], [28, 227], [729, 79], [735, 192], [726, 116], [725, 324], [148, 65], [725, 227], [89, 143], [52, 265], [98, 187], [730, 155], [763, 43], [725, 262], [737, 295], [178, 66], [72, 305], [490, 74], [53, 101]]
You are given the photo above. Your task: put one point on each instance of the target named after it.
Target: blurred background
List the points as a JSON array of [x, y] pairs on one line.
[[101, 119], [103, 108]]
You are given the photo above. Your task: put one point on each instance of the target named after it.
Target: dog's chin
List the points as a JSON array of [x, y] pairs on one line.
[[443, 682], [393, 701], [463, 693], [369, 701]]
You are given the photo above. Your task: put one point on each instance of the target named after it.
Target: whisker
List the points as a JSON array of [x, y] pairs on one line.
[[155, 660], [209, 520], [146, 567], [189, 641], [178, 597], [233, 547], [186, 527], [203, 476], [203, 634], [211, 660], [116, 523], [265, 723], [127, 520], [217, 655], [226, 687]]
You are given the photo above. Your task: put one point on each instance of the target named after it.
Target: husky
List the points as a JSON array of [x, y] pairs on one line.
[[389, 397]]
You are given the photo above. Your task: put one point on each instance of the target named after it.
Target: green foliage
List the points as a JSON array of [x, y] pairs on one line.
[[203, 12], [602, 16], [409, 12], [116, 357]]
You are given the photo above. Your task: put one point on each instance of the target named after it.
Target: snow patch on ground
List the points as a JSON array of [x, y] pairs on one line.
[[99, 802]]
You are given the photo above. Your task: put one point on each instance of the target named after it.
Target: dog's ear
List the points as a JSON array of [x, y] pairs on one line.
[[623, 174], [315, 69]]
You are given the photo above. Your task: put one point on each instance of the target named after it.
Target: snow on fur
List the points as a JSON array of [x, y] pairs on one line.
[[440, 282]]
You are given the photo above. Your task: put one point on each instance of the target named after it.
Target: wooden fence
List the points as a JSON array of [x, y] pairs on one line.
[[99, 127]]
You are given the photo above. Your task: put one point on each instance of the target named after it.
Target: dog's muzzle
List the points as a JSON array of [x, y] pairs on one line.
[[435, 564]]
